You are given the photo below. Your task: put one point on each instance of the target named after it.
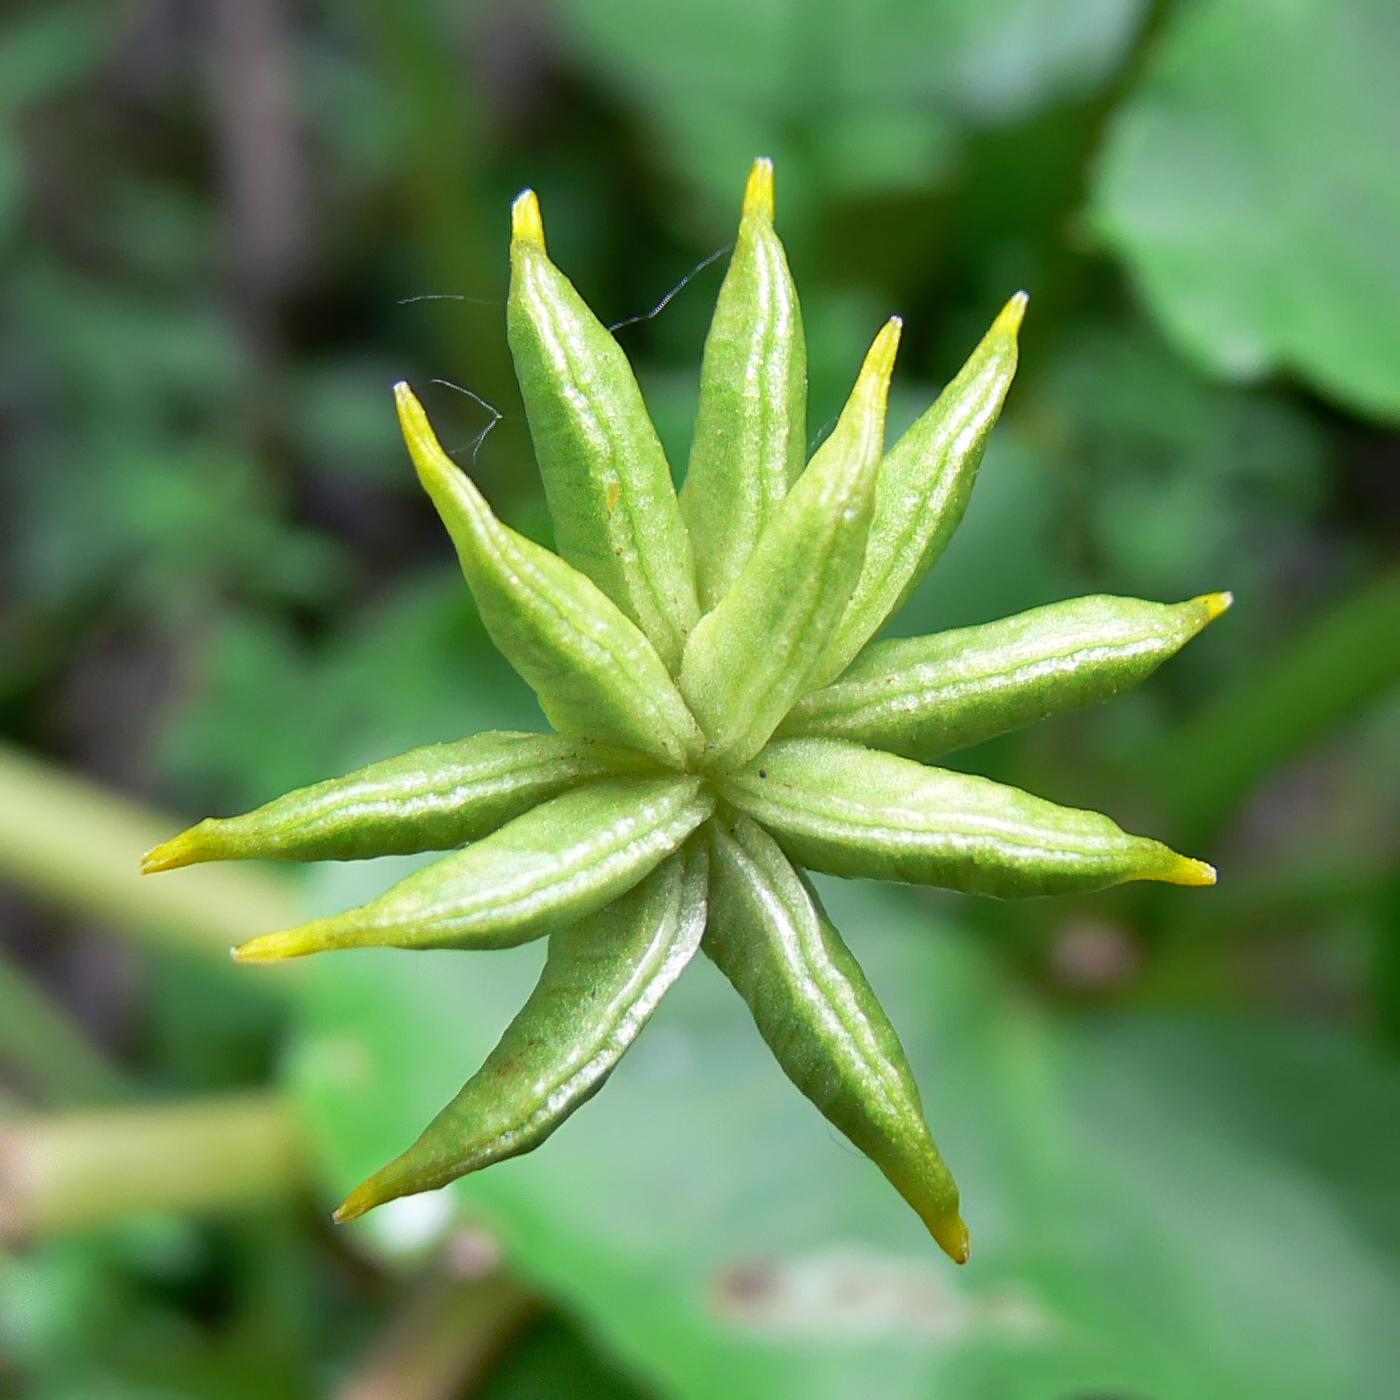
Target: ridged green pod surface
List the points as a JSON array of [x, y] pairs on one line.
[[925, 484], [596, 675], [665, 806], [560, 861], [925, 696], [428, 799], [751, 424], [852, 811], [751, 657], [605, 474], [602, 980], [769, 934]]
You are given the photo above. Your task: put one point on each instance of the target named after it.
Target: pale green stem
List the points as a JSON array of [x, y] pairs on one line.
[[64, 1171], [75, 845]]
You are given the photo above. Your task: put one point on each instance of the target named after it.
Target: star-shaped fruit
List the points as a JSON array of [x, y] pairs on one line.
[[725, 721]]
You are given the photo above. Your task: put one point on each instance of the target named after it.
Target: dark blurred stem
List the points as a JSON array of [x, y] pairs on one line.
[[445, 1342], [62, 1172], [264, 184], [442, 184], [42, 1047]]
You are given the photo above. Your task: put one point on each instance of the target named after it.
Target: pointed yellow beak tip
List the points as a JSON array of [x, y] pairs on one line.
[[954, 1238], [413, 421], [423, 446], [1215, 603], [758, 194], [879, 359], [266, 947], [1013, 313], [1192, 872], [526, 225], [352, 1207], [169, 855]]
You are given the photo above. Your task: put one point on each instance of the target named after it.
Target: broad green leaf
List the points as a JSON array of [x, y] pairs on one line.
[[1145, 1225], [751, 426], [610, 492], [596, 675], [924, 696], [560, 861], [428, 799], [751, 657], [769, 934], [860, 813], [866, 97], [1249, 181], [602, 980], [925, 484]]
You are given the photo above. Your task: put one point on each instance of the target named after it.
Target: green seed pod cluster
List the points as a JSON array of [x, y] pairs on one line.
[[725, 722]]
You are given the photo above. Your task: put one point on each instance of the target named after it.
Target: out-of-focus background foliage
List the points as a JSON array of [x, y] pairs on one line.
[[226, 226]]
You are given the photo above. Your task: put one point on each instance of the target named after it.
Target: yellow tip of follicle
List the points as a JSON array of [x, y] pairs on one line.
[[351, 1208], [169, 855], [1011, 315], [1186, 871], [268, 947], [879, 359], [953, 1237], [423, 445], [758, 194], [526, 225], [385, 1185], [1214, 603]]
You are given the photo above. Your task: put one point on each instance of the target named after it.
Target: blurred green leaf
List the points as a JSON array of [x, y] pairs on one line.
[[867, 99], [345, 421], [1176, 485], [275, 713], [1347, 659], [40, 53], [551, 1362], [48, 48], [1250, 183], [1130, 1236]]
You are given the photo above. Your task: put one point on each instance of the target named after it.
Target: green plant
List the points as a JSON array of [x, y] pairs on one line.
[[724, 720]]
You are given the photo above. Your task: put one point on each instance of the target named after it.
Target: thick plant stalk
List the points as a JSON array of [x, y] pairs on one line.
[[446, 1341]]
